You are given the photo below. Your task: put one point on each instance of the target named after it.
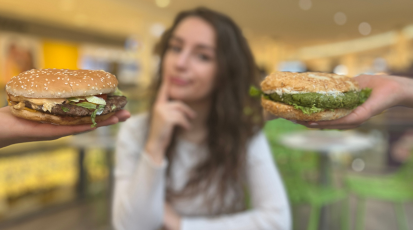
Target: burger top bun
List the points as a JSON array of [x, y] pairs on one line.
[[308, 82], [61, 83]]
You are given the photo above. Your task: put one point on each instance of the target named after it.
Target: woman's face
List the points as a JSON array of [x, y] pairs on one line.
[[190, 61]]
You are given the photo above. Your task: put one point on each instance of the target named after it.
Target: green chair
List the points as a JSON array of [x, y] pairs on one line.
[[396, 188], [299, 170]]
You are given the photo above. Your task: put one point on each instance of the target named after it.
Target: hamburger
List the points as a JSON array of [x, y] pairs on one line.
[[64, 97], [310, 96]]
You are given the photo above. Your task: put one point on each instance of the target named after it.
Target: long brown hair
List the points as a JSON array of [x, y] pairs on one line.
[[233, 119]]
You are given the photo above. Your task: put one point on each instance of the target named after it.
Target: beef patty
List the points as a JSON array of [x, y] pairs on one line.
[[118, 101]]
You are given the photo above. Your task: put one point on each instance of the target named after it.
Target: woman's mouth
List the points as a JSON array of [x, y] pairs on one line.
[[179, 81]]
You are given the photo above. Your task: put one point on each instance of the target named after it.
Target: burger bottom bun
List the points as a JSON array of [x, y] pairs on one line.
[[56, 120], [290, 113]]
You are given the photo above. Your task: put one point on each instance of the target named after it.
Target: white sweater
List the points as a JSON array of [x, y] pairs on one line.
[[139, 194]]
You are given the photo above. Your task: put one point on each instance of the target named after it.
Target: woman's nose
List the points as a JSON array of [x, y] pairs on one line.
[[182, 60]]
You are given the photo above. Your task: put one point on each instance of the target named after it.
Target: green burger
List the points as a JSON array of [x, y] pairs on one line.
[[310, 96]]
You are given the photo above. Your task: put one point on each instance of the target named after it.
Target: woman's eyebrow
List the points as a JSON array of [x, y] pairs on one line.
[[198, 46], [205, 47], [177, 39]]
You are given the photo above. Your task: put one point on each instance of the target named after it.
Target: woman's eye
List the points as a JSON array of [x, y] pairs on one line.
[[174, 48], [203, 57]]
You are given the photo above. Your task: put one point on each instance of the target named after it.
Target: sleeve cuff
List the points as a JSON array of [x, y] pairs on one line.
[[192, 223], [148, 159]]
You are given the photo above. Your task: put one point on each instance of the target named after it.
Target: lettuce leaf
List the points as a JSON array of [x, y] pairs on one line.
[[97, 111], [86, 105], [65, 109], [255, 92], [100, 109], [113, 107], [117, 92], [308, 110], [75, 99], [96, 100]]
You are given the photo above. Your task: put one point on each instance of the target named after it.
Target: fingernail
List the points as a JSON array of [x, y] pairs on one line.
[[313, 123]]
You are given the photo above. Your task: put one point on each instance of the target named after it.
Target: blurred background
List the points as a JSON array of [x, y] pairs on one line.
[[361, 180]]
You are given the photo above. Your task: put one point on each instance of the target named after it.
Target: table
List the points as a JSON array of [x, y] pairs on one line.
[[101, 138], [324, 143]]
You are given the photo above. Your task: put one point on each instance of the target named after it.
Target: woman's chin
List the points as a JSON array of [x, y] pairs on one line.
[[185, 99], [180, 97]]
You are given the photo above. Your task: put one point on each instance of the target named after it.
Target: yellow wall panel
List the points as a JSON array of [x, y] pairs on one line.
[[60, 54]]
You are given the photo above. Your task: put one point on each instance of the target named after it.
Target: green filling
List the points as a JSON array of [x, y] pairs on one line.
[[310, 103], [346, 100], [308, 110]]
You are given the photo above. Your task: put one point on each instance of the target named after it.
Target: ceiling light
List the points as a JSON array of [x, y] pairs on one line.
[[364, 28], [157, 29], [162, 3], [66, 5], [340, 18], [305, 4], [341, 70]]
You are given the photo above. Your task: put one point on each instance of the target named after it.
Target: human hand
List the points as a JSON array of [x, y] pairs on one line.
[[16, 130], [166, 115], [171, 220], [388, 91]]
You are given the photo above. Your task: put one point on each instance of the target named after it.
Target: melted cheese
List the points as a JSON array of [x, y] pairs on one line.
[[46, 103], [19, 106], [42, 101], [31, 110]]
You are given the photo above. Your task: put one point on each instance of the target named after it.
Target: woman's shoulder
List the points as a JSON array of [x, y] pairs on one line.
[[258, 147], [136, 122], [134, 127]]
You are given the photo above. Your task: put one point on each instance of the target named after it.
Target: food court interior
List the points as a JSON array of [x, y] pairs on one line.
[[360, 182]]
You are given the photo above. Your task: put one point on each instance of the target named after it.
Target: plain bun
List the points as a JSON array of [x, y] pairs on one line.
[[57, 120], [61, 83], [308, 82], [290, 113]]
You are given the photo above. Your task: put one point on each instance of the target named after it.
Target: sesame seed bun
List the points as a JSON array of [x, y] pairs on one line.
[[308, 82], [54, 119], [61, 83], [289, 112]]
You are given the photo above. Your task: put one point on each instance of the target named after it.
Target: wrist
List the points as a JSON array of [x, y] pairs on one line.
[[178, 223], [155, 151], [406, 96]]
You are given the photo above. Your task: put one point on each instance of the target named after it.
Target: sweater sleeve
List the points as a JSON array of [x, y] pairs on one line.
[[270, 208], [139, 182]]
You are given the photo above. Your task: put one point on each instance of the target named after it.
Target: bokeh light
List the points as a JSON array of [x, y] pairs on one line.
[[162, 3], [305, 4], [157, 29], [340, 18], [364, 28], [358, 165], [341, 69]]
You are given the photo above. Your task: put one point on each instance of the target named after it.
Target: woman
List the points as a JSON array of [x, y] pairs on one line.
[[190, 163]]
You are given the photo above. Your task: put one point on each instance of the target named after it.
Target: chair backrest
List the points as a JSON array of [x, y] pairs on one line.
[[406, 170], [298, 168]]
